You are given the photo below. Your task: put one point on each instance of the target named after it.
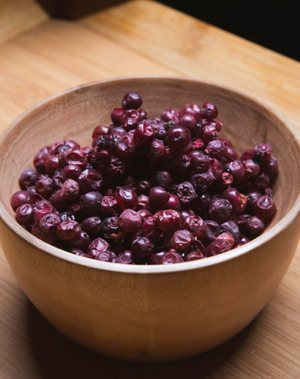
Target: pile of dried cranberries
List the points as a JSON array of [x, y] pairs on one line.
[[158, 191]]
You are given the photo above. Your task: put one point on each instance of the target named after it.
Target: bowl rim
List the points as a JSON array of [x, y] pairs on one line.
[[149, 269]]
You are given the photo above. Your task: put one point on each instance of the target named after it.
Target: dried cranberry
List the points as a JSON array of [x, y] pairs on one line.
[[209, 111], [49, 222], [193, 110], [100, 131], [92, 226], [161, 179], [90, 180], [68, 230], [130, 221], [170, 115], [158, 196], [255, 226], [126, 198], [172, 203], [181, 240], [116, 115], [132, 100], [19, 198], [24, 215], [28, 178], [171, 257], [220, 210], [168, 220], [195, 225], [216, 247], [264, 207], [126, 257], [178, 137], [90, 203], [41, 208], [186, 192], [141, 247], [75, 157]]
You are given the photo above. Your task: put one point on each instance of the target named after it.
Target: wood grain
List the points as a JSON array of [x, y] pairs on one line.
[[197, 49], [30, 347], [42, 62], [18, 16]]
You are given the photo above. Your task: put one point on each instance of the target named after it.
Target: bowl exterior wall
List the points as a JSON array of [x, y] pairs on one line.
[[155, 317]]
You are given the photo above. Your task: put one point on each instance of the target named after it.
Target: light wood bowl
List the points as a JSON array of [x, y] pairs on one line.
[[150, 313]]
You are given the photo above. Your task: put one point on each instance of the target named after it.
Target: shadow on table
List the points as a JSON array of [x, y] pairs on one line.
[[58, 357]]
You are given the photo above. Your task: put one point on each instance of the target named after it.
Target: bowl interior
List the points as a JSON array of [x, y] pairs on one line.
[[74, 114]]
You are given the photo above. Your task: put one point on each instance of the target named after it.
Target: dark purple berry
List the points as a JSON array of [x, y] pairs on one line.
[[181, 240], [132, 100], [24, 215], [161, 179], [178, 137], [68, 230], [168, 220], [90, 203], [195, 225], [220, 210], [28, 178], [209, 111], [171, 257], [186, 192], [70, 190], [255, 226], [130, 221], [49, 222], [264, 207], [126, 198], [158, 196], [92, 226], [19, 198]]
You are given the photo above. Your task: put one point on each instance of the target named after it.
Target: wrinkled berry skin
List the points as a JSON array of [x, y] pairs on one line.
[[168, 220], [171, 257], [195, 225], [68, 230], [220, 210], [126, 198], [49, 222], [186, 192], [181, 240], [216, 247], [264, 207], [99, 244], [24, 215], [142, 247], [130, 221], [125, 258], [255, 226]]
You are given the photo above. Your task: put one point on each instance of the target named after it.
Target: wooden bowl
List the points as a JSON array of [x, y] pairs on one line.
[[150, 313]]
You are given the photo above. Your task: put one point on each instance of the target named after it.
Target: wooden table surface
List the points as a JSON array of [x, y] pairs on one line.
[[40, 56]]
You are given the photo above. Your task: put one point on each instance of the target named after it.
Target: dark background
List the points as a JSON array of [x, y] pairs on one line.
[[272, 24]]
